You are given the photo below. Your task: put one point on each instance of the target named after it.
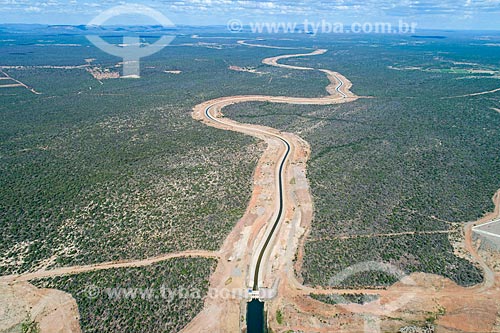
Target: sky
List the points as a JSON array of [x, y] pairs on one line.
[[438, 14]]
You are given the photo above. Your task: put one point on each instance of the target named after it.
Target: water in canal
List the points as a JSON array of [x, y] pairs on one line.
[[255, 317]]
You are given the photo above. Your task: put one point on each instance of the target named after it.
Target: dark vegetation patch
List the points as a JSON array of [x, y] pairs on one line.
[[163, 297], [345, 298], [95, 172]]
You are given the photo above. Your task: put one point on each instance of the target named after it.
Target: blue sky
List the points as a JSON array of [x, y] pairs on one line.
[[441, 14]]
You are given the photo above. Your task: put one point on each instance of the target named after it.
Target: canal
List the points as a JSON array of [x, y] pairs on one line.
[[256, 322]]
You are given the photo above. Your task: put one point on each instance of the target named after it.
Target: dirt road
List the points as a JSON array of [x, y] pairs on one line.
[[106, 265], [18, 83], [265, 240]]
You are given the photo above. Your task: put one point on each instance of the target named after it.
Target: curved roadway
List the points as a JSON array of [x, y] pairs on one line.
[[280, 193], [284, 158]]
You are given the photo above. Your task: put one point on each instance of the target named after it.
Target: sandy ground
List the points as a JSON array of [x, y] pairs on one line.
[[55, 311]]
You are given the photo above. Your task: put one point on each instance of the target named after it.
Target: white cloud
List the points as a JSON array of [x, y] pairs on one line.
[[32, 9], [217, 11]]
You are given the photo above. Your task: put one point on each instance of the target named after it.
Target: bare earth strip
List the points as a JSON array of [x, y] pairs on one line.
[[11, 85], [472, 248], [475, 94], [107, 265], [237, 268], [20, 83]]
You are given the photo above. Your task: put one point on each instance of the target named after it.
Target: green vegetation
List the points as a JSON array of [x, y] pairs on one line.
[[412, 253], [407, 160], [29, 325], [163, 297], [433, 316], [119, 186], [279, 316], [95, 172]]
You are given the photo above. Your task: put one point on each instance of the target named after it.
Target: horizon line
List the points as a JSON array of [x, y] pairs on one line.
[[216, 26]]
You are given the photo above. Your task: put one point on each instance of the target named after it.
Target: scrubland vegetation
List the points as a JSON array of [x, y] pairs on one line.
[[345, 298], [408, 160], [94, 172], [163, 297]]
